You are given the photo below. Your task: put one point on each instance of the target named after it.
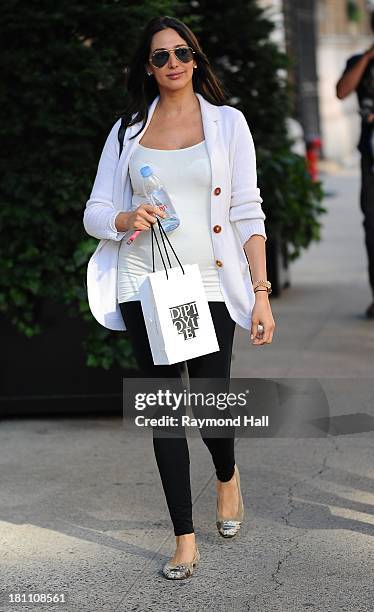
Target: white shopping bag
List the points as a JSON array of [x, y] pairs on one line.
[[177, 315]]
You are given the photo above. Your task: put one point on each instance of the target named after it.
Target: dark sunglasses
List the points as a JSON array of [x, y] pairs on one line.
[[159, 58]]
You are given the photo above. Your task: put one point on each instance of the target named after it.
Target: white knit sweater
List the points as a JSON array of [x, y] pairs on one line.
[[235, 211]]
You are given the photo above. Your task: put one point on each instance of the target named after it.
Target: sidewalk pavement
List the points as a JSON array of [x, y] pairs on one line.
[[82, 506]]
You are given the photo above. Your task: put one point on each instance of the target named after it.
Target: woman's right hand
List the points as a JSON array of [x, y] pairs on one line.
[[139, 219]]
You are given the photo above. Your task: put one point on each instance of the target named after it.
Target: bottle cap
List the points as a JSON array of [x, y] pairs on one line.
[[146, 171]]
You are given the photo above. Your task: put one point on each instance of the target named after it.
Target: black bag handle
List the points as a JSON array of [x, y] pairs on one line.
[[153, 253], [163, 233]]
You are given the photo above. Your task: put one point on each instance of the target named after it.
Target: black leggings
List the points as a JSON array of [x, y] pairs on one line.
[[172, 454]]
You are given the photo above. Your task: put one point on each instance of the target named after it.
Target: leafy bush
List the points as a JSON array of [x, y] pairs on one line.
[[62, 66], [292, 201]]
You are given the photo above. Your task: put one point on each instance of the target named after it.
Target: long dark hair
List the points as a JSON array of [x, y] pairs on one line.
[[143, 89]]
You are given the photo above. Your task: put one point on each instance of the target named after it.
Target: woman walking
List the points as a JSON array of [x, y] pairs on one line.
[[202, 149]]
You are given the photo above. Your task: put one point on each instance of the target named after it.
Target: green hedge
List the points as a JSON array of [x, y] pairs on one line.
[[62, 88]]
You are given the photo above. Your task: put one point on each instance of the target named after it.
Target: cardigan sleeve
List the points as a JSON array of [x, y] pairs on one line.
[[100, 214], [245, 208]]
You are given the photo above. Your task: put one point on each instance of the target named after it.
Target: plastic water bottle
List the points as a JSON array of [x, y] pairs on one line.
[[158, 196]]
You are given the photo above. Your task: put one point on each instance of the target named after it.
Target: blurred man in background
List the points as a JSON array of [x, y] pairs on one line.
[[358, 76]]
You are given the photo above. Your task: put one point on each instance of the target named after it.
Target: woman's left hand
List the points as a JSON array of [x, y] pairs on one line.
[[261, 314]]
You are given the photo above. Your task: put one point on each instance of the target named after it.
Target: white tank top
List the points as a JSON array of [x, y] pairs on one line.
[[186, 175]]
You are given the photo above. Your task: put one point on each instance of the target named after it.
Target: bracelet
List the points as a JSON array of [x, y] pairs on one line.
[[264, 283], [255, 291]]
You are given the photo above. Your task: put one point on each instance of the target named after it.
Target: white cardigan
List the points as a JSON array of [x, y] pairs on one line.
[[235, 211]]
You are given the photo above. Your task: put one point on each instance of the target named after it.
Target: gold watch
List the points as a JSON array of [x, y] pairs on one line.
[[263, 283]]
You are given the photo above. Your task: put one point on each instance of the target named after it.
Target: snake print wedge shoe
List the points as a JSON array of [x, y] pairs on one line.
[[180, 571], [229, 527]]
